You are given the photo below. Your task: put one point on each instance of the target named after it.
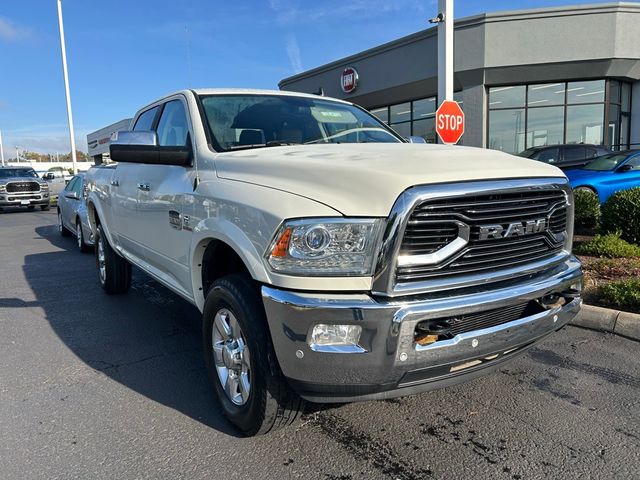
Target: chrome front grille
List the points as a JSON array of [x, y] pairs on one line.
[[448, 236], [485, 256], [19, 187]]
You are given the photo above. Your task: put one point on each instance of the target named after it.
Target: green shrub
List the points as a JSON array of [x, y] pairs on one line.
[[609, 246], [621, 213], [587, 209], [623, 294]]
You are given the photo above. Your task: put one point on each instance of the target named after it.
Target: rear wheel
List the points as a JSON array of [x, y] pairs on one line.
[[114, 271], [240, 359], [61, 228], [80, 238]]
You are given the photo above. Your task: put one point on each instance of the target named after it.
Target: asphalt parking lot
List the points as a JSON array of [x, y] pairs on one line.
[[93, 386]]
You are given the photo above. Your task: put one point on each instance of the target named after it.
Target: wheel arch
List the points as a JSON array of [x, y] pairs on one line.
[[214, 257]]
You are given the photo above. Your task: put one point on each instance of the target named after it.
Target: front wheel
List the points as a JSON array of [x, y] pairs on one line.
[[240, 359], [113, 270], [45, 208]]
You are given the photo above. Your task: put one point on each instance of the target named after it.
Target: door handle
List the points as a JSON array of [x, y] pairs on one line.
[[115, 183], [144, 187]]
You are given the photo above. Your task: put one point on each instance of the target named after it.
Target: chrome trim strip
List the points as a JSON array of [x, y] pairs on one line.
[[384, 282], [464, 233]]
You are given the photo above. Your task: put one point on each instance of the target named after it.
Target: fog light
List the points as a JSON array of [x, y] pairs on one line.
[[336, 338]]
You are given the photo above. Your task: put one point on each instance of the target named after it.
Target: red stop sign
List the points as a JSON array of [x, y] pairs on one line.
[[449, 122]]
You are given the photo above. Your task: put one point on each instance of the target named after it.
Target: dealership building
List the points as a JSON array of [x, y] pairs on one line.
[[524, 78]]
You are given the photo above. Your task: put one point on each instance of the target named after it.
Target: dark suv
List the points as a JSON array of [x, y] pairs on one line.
[[21, 187], [565, 156]]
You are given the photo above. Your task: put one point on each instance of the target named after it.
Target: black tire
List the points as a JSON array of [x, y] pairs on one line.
[[61, 228], [45, 208], [584, 188], [271, 403], [31, 207], [82, 246], [117, 271]]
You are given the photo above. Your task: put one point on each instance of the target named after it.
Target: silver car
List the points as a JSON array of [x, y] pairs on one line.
[[72, 213]]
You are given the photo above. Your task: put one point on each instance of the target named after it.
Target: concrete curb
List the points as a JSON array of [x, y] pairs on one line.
[[607, 320]]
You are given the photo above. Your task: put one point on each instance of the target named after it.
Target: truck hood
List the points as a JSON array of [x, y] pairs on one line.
[[366, 179], [22, 179]]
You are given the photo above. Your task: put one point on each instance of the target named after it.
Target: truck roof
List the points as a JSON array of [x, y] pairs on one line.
[[253, 91]]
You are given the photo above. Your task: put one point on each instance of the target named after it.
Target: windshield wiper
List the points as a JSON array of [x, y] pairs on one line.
[[272, 143]]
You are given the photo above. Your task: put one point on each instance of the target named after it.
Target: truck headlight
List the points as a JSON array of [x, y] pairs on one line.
[[325, 247]]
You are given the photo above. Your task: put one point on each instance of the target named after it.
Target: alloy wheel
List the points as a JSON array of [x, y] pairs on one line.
[[102, 269], [231, 357]]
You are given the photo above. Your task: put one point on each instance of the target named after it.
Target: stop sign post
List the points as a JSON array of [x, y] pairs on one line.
[[449, 122]]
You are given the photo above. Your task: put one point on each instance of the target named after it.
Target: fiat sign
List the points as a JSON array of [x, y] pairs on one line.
[[449, 122], [349, 80]]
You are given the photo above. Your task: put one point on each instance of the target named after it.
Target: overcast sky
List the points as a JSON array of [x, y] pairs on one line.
[[125, 53]]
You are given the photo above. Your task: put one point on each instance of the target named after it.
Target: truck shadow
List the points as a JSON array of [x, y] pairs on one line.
[[147, 340]]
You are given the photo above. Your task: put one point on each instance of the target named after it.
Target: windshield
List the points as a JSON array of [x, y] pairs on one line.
[[17, 172], [606, 162], [252, 121]]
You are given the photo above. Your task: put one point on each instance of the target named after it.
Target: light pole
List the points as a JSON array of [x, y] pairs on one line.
[[1, 150], [66, 87], [444, 22]]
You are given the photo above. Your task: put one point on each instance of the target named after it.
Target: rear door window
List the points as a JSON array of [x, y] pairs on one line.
[[574, 154]]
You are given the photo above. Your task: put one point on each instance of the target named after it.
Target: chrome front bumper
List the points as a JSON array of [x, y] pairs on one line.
[[392, 364], [18, 199]]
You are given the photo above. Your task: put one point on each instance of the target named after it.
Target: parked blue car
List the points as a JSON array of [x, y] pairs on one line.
[[608, 174]]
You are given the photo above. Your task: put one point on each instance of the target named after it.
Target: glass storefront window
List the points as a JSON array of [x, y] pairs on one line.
[[381, 113], [585, 124], [585, 92], [507, 97], [400, 113], [626, 97], [544, 126], [403, 129], [614, 125], [426, 129], [506, 130], [546, 94], [424, 108], [614, 91], [624, 131], [562, 112]]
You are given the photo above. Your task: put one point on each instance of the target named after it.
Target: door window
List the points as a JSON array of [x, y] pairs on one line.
[[572, 154], [77, 187], [145, 120], [173, 128], [70, 186], [548, 155], [634, 162]]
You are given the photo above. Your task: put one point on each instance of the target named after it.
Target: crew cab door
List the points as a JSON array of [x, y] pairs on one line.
[[124, 196], [162, 229]]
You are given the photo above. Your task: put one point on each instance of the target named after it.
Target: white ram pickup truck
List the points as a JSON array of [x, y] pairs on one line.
[[331, 260]]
